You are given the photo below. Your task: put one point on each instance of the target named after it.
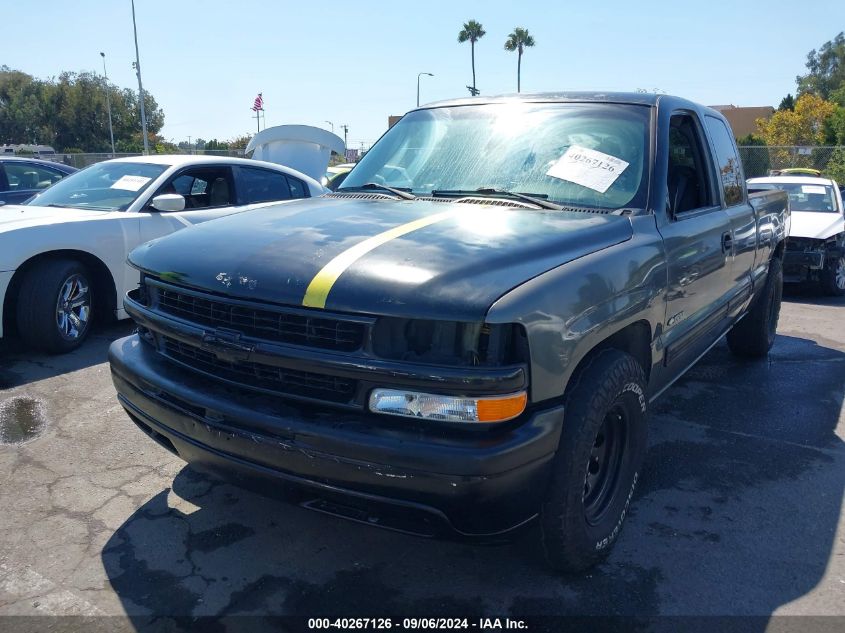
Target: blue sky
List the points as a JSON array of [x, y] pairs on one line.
[[357, 62]]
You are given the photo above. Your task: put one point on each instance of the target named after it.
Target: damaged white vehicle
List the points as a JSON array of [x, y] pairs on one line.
[[815, 250], [63, 253]]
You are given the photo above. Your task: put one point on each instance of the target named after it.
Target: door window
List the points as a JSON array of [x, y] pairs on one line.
[[263, 185], [688, 186], [202, 187], [297, 188], [730, 169], [27, 176]]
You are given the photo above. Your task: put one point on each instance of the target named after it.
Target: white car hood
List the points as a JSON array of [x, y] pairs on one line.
[[15, 216], [819, 226]]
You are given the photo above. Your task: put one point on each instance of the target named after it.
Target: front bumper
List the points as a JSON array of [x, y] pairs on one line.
[[798, 264], [432, 481]]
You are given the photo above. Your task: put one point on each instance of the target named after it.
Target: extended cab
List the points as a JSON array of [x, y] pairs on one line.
[[466, 336]]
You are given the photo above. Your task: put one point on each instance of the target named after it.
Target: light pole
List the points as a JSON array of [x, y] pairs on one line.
[[108, 102], [330, 123], [137, 65], [418, 85]]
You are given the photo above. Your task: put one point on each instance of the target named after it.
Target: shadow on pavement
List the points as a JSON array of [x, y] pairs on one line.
[[736, 515], [810, 294], [20, 366]]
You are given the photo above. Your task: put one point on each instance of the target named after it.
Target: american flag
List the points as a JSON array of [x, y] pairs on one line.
[[258, 104]]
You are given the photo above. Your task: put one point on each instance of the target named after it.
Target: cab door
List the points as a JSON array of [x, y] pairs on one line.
[[742, 217], [696, 236]]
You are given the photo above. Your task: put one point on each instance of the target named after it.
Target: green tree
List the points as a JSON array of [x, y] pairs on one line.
[[826, 68], [787, 103], [70, 112], [239, 142], [805, 125], [472, 32], [754, 155], [518, 41], [215, 145]]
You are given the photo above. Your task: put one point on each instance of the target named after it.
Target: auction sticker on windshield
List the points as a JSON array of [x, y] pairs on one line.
[[813, 189], [130, 183], [588, 168]]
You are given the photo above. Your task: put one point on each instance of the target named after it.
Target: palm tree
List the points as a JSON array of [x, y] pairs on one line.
[[472, 32], [518, 41]]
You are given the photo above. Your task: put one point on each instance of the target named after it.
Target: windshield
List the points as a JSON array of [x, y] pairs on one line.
[[817, 198], [592, 155], [108, 186]]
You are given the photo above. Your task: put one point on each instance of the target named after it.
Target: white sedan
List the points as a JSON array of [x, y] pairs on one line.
[[63, 253]]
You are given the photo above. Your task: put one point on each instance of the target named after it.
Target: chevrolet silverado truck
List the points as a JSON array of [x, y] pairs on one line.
[[465, 337], [815, 250]]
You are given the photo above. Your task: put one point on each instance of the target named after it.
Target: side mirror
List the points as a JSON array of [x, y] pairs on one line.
[[168, 202]]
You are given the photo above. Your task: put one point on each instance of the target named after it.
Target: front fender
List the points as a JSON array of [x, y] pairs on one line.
[[570, 310]]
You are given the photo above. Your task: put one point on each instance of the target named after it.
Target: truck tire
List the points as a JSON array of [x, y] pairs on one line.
[[595, 471], [754, 335], [54, 306], [833, 277]]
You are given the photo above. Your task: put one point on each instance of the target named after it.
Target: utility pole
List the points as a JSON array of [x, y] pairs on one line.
[[108, 102], [190, 149], [345, 132], [137, 65]]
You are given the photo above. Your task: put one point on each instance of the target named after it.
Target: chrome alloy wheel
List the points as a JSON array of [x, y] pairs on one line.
[[839, 273], [73, 307]]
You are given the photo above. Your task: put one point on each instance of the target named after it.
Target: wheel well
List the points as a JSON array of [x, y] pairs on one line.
[[105, 293], [633, 339]]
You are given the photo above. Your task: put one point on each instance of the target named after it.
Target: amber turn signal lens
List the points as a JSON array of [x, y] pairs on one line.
[[501, 409]]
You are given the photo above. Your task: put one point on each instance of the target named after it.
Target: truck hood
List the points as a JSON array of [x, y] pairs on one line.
[[420, 259], [16, 216], [819, 226]]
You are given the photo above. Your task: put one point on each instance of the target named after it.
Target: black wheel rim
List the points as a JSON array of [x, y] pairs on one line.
[[604, 466]]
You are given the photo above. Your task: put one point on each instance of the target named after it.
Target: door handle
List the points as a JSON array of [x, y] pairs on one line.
[[727, 242]]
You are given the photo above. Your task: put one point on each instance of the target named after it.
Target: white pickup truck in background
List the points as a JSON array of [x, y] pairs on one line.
[[63, 253], [815, 250]]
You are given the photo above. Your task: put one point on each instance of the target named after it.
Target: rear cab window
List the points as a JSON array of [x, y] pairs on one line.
[[727, 161]]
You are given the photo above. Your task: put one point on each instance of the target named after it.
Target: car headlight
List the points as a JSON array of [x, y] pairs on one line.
[[449, 342], [428, 406]]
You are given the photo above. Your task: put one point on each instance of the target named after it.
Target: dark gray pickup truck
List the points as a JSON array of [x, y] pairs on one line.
[[466, 336]]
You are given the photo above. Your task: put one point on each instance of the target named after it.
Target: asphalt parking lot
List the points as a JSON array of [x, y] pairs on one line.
[[739, 511]]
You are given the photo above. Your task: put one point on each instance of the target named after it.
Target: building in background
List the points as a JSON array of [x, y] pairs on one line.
[[744, 120]]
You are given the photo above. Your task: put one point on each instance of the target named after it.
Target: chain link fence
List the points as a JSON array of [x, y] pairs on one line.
[[758, 160]]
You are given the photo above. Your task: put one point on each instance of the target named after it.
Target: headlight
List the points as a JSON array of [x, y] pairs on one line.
[[447, 408], [449, 342]]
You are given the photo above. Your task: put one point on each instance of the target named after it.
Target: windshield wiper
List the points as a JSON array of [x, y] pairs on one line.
[[490, 191], [402, 193]]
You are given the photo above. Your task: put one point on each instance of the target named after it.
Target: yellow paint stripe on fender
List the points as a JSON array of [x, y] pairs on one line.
[[319, 288]]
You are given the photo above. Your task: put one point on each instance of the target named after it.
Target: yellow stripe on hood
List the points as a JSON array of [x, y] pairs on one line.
[[319, 288]]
